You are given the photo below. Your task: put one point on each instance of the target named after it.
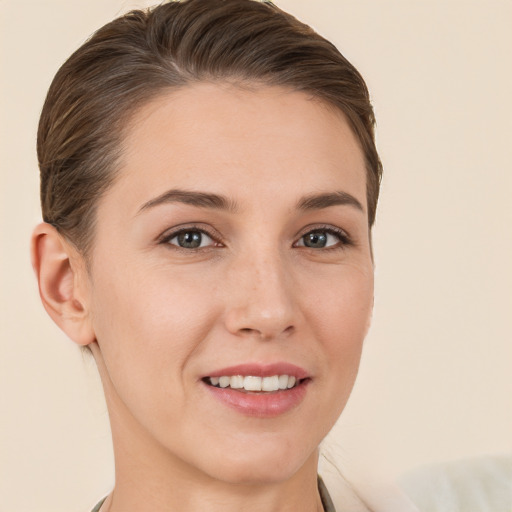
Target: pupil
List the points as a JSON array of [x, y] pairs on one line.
[[189, 239], [315, 240]]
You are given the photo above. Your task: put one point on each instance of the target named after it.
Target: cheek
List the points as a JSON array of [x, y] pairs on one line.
[[148, 326], [158, 304], [341, 317], [342, 307]]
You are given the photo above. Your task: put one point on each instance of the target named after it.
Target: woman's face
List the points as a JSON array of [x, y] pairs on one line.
[[235, 243]]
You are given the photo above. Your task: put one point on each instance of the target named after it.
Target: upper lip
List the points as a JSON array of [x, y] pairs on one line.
[[261, 370]]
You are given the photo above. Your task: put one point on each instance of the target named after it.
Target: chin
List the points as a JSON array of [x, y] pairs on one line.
[[261, 462], [249, 473]]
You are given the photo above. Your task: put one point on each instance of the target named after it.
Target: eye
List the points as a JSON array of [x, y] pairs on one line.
[[323, 238], [190, 239]]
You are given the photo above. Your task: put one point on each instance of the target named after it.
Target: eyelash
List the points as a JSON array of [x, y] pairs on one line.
[[343, 237], [167, 237]]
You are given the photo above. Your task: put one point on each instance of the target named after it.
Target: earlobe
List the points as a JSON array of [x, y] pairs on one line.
[[60, 273]]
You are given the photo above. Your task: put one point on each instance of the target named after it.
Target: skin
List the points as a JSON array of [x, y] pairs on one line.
[[158, 317]]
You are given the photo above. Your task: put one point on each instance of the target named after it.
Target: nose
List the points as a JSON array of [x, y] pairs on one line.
[[261, 298]]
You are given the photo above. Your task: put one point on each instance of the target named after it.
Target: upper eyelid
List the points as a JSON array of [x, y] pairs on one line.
[[324, 227], [171, 233], [344, 239]]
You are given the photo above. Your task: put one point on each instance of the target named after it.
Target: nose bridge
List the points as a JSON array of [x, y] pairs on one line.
[[262, 300]]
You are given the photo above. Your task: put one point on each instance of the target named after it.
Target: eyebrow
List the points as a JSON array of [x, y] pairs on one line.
[[199, 199], [220, 202], [319, 201]]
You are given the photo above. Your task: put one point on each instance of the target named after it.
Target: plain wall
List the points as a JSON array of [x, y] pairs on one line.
[[435, 381]]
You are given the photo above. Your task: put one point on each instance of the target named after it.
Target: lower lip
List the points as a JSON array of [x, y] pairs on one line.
[[262, 405]]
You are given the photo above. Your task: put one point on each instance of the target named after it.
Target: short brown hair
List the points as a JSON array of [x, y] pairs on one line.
[[142, 54]]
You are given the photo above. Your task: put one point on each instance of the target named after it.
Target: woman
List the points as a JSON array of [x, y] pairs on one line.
[[209, 180]]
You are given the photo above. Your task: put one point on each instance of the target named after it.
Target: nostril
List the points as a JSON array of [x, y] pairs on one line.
[[266, 335]]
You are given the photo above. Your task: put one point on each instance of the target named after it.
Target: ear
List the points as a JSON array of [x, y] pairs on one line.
[[63, 283]]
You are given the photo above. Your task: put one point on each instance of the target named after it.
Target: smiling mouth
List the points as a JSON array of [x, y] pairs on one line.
[[254, 384]]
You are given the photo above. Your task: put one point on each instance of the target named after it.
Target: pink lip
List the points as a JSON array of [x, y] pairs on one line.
[[261, 405], [262, 370]]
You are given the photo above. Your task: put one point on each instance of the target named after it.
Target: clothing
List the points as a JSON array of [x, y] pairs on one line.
[[324, 495], [483, 484], [327, 503], [98, 506]]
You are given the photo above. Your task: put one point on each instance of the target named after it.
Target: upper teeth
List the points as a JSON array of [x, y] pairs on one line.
[[251, 383]]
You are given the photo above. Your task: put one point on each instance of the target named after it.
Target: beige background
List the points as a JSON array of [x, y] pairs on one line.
[[435, 382]]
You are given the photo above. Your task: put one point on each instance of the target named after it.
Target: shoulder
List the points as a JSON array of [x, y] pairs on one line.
[[366, 497], [476, 485]]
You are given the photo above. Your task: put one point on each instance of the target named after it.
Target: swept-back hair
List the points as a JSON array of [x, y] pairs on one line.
[[143, 54]]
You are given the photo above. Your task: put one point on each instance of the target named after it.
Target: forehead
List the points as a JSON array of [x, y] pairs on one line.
[[239, 141]]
